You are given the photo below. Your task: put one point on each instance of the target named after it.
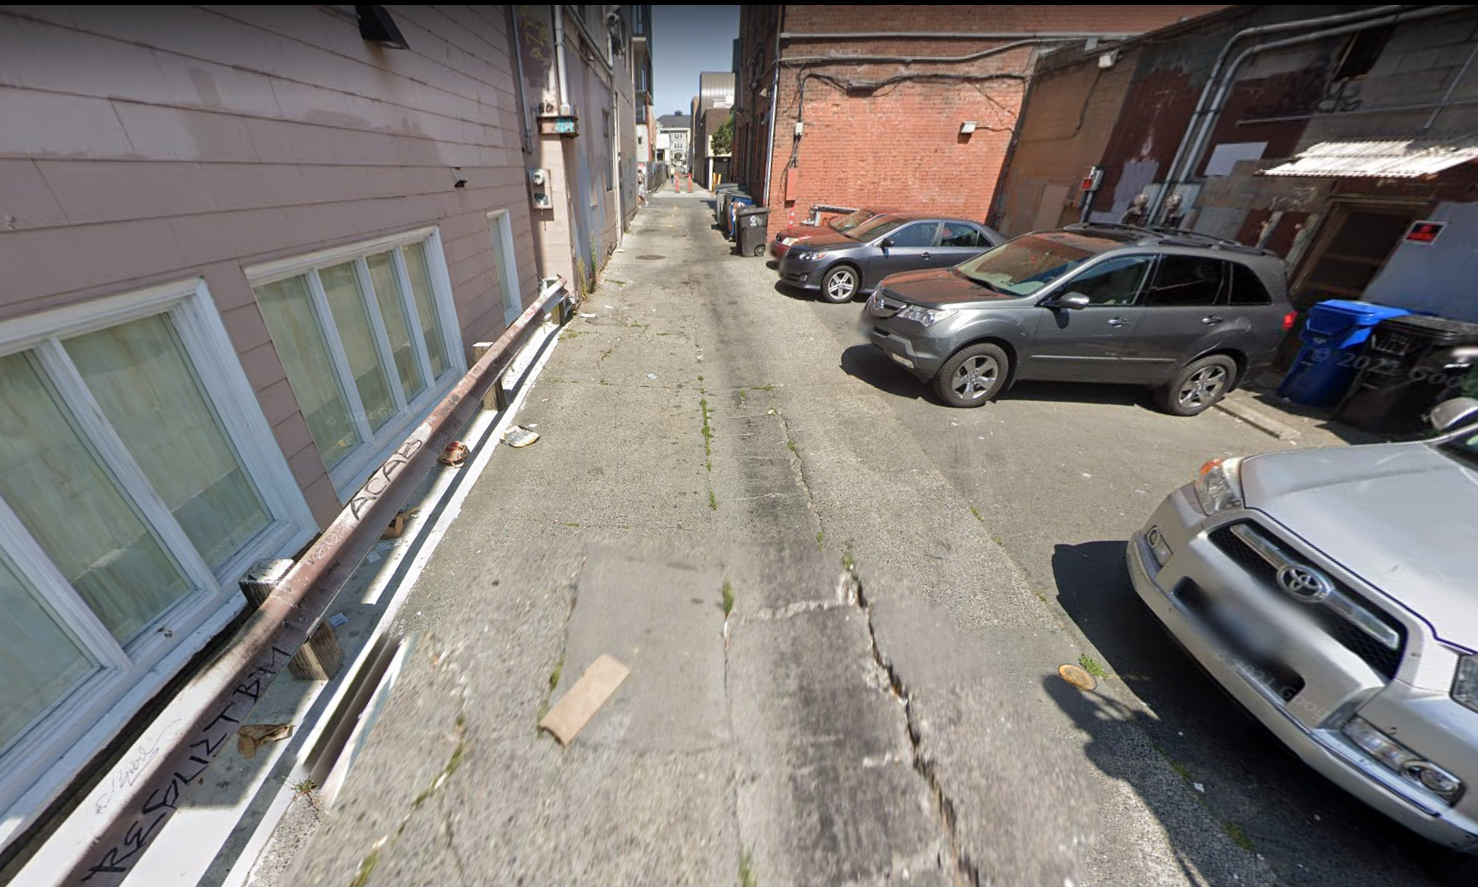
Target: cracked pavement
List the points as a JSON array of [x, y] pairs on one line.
[[880, 706]]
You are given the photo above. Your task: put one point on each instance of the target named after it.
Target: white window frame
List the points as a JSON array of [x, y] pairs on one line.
[[375, 445], [500, 228], [63, 738]]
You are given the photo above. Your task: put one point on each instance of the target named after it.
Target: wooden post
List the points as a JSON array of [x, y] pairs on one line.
[[320, 658]]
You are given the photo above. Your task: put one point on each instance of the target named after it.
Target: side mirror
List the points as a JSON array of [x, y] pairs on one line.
[[887, 243], [1452, 414], [1070, 300]]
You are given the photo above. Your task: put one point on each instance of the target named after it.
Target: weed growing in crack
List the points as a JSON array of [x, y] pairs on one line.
[[1091, 666], [1239, 836], [707, 431], [728, 598], [791, 444], [747, 876], [976, 513], [820, 538], [712, 499], [553, 682], [997, 540]]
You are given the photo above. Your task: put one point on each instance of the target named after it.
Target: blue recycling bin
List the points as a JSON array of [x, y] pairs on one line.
[[736, 203], [1333, 335]]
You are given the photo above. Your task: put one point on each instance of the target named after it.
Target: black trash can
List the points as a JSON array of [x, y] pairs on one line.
[[754, 223], [1409, 364]]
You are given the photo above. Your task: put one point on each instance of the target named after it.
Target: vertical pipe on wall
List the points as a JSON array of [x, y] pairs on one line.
[[559, 57], [774, 102]]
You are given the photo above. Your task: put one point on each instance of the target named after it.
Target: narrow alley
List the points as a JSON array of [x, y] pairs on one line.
[[843, 640]]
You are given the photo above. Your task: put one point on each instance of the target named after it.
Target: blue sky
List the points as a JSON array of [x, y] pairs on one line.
[[687, 40]]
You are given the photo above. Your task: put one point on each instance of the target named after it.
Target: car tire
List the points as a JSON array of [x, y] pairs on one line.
[[1198, 386], [840, 285], [973, 376]]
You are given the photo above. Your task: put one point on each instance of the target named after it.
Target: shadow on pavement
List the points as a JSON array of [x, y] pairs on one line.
[[1265, 798], [1075, 392], [872, 366]]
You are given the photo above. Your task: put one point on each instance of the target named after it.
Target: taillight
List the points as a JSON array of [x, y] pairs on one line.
[[1288, 320]]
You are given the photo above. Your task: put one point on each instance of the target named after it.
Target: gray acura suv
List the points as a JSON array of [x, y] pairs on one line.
[[1186, 314], [1334, 594]]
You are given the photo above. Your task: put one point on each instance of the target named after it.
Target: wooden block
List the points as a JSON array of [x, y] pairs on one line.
[[493, 400], [319, 659], [575, 708]]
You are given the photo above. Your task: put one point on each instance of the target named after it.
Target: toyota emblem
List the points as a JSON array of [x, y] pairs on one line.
[[1305, 584]]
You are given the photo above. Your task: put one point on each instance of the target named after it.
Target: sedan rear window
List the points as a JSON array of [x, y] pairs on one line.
[[843, 224], [1026, 264]]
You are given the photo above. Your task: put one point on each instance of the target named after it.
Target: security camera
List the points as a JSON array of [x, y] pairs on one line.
[[613, 18]]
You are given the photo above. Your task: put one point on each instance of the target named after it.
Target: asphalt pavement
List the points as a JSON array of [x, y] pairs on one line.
[[843, 606]]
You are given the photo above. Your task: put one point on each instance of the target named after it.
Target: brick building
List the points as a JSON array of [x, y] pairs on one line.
[[1328, 131], [898, 105]]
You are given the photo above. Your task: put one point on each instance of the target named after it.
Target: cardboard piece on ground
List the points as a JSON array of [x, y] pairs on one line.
[[575, 708]]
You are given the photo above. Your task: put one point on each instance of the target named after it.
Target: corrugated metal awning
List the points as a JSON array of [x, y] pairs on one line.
[[1390, 159]]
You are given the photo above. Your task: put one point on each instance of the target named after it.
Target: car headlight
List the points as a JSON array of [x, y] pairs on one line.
[[1220, 485], [1465, 685], [924, 316], [789, 240], [1400, 759], [807, 257]]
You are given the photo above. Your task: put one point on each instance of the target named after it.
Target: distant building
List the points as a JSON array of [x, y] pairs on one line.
[[712, 106], [849, 114], [674, 132]]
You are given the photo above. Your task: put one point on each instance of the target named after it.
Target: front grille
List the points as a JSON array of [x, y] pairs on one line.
[[1349, 635], [1276, 676]]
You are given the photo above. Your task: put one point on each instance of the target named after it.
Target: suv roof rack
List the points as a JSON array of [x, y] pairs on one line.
[[1174, 237]]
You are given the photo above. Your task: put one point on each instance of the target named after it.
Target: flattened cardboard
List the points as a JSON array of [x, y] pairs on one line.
[[574, 710]]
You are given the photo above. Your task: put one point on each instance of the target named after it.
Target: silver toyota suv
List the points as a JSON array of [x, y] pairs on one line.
[[1183, 313], [1334, 594]]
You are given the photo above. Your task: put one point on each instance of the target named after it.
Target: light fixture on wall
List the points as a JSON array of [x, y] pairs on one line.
[[458, 180], [967, 127], [1108, 59]]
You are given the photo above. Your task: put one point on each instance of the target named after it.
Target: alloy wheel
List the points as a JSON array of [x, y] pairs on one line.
[[841, 285], [1203, 387], [975, 377]]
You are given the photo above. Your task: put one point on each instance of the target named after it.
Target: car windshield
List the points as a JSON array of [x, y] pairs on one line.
[[1022, 266], [875, 227], [843, 224]]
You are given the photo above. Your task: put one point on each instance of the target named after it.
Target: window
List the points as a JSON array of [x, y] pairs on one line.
[[1184, 281], [1114, 282], [960, 234], [1246, 288], [364, 334], [1362, 52], [914, 236], [138, 479]]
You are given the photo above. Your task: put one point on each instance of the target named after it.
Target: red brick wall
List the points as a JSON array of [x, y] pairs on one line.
[[900, 144]]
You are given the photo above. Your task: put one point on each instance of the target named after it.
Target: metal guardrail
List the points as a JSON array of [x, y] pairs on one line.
[[228, 688]]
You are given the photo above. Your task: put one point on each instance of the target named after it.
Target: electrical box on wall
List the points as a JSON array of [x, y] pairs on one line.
[[539, 189]]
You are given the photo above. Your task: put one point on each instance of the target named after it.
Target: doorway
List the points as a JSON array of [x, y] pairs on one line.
[[1353, 246]]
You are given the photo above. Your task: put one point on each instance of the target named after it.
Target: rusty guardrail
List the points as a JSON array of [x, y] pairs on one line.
[[229, 687]]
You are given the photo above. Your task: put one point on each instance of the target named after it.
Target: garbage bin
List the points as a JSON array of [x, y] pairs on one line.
[[737, 201], [719, 195], [1408, 365], [1333, 334], [725, 212], [754, 222]]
